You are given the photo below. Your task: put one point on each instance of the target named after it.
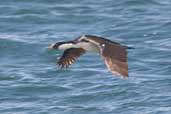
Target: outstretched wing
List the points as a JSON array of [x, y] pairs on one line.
[[115, 57], [114, 54], [69, 56]]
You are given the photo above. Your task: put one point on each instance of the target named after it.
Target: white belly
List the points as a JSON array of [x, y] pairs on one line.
[[87, 46]]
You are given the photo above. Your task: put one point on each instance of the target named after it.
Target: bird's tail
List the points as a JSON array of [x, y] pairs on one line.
[[129, 47]]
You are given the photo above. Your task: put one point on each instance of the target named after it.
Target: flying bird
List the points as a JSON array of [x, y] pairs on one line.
[[113, 53]]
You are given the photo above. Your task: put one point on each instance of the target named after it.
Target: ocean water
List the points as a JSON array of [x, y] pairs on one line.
[[31, 83]]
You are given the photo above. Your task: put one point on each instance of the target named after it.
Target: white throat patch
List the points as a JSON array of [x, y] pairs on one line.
[[65, 46]]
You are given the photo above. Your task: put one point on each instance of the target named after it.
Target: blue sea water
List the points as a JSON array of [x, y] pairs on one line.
[[31, 83]]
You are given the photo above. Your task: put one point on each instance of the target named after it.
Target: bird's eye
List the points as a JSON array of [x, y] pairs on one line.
[[56, 45]]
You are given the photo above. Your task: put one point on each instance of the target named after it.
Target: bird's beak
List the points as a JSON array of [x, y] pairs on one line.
[[50, 46]]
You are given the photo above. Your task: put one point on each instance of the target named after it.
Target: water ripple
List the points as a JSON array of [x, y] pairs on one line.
[[30, 81]]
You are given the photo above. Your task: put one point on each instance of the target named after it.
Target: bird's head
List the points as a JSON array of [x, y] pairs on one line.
[[60, 45], [55, 45]]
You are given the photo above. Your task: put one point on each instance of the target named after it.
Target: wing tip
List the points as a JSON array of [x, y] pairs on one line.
[[125, 76], [120, 74]]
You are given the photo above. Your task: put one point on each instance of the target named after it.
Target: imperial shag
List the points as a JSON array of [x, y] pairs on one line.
[[113, 54]]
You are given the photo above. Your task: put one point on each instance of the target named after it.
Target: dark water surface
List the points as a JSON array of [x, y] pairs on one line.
[[30, 83]]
